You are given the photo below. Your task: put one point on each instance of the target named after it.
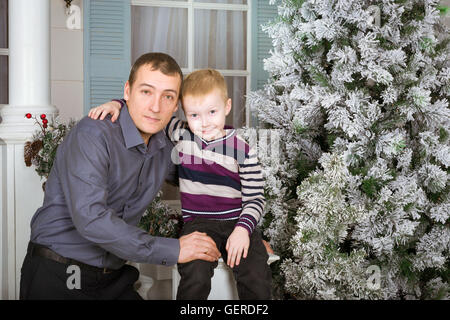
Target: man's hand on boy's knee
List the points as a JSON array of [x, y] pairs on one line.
[[197, 245]]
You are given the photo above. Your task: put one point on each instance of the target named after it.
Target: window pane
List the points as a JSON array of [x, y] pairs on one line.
[[159, 30], [3, 23], [220, 39], [223, 1], [3, 79], [236, 91]]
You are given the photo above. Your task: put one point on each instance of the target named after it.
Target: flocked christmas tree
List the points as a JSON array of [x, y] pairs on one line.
[[358, 204]]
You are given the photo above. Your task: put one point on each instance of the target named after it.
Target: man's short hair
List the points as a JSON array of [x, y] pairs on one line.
[[202, 82], [158, 61]]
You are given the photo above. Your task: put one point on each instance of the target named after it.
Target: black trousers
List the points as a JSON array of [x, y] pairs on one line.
[[253, 275], [45, 279]]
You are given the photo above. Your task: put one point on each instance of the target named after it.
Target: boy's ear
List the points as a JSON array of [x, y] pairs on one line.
[[126, 91], [228, 107]]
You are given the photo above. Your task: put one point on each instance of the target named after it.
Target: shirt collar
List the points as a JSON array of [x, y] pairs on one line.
[[131, 134]]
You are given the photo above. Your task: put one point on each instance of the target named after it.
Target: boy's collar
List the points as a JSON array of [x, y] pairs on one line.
[[229, 132]]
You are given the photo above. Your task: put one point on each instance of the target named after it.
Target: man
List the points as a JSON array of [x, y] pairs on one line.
[[104, 176]]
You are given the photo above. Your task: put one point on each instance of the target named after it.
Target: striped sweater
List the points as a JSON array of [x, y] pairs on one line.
[[219, 179]]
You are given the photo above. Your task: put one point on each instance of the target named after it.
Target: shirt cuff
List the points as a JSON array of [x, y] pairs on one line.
[[164, 251]]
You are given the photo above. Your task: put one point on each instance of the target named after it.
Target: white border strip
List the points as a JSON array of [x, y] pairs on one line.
[[188, 4]]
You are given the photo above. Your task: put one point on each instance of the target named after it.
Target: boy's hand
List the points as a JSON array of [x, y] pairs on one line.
[[237, 246], [112, 108]]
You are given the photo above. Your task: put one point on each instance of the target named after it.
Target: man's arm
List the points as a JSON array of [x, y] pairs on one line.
[[84, 178]]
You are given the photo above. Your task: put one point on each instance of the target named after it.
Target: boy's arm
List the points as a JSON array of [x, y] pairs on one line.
[[252, 192], [174, 128], [112, 107]]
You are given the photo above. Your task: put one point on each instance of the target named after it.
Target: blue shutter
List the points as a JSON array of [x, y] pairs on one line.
[[262, 13], [107, 50]]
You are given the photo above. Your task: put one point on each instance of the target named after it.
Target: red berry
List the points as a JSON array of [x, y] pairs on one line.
[[28, 115], [43, 116], [44, 121], [44, 125]]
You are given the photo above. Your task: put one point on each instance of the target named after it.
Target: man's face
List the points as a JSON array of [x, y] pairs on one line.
[[152, 100]]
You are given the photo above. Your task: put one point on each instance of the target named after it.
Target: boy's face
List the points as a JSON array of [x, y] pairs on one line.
[[152, 100], [206, 114]]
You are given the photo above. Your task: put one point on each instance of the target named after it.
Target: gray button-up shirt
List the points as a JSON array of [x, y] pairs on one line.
[[102, 180]]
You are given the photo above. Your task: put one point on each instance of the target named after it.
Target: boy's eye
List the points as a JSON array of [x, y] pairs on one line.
[[145, 91], [213, 111], [169, 97], [194, 115]]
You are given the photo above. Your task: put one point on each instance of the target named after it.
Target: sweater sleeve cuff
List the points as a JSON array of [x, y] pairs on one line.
[[121, 101], [248, 222]]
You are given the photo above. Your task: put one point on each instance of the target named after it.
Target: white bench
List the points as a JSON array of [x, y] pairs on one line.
[[223, 285]]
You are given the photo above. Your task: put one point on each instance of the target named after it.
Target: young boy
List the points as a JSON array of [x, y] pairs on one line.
[[221, 188]]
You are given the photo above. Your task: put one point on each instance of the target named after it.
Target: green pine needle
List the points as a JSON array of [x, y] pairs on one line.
[[443, 10]]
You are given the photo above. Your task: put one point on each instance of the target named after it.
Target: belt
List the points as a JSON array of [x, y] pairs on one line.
[[36, 249]]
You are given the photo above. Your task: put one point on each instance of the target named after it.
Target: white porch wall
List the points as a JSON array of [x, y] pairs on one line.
[[46, 71], [66, 63]]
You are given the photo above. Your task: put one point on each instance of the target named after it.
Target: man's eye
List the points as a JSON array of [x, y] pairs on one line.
[[193, 115], [169, 97], [145, 91]]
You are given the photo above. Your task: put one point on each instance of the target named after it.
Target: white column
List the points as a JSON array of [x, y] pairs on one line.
[[29, 92], [29, 68]]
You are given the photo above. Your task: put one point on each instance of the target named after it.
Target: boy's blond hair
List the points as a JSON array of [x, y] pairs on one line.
[[202, 82]]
